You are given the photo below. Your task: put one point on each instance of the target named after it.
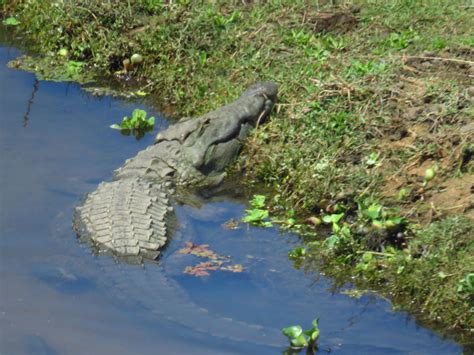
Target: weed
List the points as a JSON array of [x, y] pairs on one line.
[[300, 339], [137, 124], [257, 215], [11, 21]]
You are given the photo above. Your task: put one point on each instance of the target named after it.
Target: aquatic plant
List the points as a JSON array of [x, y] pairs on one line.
[[11, 21], [138, 124], [257, 215], [300, 339]]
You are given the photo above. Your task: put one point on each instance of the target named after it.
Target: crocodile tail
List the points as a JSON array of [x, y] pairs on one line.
[[127, 216]]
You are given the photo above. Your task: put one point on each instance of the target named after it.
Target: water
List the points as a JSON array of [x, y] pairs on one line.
[[56, 297]]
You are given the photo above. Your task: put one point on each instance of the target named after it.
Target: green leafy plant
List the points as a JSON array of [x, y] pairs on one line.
[[297, 253], [300, 338], [372, 160], [361, 69], [73, 70], [137, 124], [400, 40], [11, 21], [340, 232], [257, 215], [379, 216], [367, 262], [466, 284]]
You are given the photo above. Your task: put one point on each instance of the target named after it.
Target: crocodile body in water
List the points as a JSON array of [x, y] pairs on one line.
[[129, 215]]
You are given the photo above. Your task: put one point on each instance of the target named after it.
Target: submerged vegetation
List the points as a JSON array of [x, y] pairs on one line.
[[372, 140]]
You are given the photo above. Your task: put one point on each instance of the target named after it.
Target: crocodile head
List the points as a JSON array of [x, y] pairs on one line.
[[200, 149]]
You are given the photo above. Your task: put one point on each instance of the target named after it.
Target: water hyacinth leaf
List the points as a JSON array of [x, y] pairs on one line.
[[11, 21], [255, 215], [393, 222], [367, 257], [333, 218], [331, 241], [373, 211], [139, 114], [292, 331], [313, 334], [315, 322], [138, 123], [297, 253], [299, 342], [258, 201]]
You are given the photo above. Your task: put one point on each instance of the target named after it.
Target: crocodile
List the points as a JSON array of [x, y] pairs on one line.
[[130, 215]]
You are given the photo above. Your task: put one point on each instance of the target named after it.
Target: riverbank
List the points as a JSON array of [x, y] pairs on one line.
[[373, 132]]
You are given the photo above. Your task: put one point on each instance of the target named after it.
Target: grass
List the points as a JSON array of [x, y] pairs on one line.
[[362, 113]]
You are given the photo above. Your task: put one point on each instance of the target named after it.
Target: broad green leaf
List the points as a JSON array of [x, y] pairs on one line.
[[11, 21], [327, 219], [151, 121], [331, 241], [374, 210], [300, 341], [367, 257], [258, 201], [393, 222], [115, 126], [346, 231], [297, 252], [139, 114], [333, 218], [255, 215], [292, 332], [313, 334]]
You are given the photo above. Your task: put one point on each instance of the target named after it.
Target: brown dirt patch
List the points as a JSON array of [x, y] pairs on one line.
[[338, 21], [431, 126], [453, 196]]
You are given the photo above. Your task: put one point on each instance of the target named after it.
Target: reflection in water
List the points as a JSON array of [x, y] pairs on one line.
[[26, 117], [55, 298]]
